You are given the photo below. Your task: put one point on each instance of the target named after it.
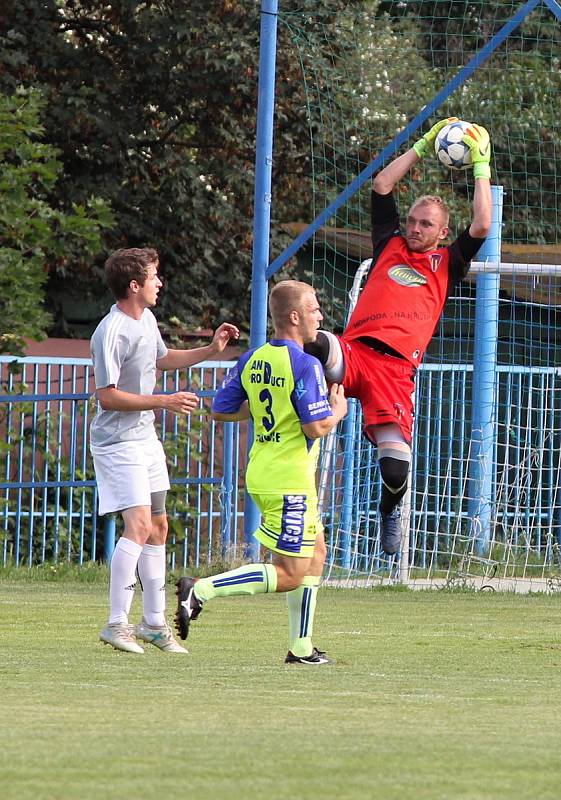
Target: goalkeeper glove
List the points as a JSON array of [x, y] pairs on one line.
[[424, 145], [477, 139]]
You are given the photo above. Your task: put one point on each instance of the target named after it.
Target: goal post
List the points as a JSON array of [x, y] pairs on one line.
[[487, 439], [481, 462]]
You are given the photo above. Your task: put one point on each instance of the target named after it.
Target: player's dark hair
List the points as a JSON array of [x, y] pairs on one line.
[[126, 265]]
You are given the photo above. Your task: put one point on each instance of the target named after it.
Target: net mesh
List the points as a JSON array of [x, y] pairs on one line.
[[388, 61]]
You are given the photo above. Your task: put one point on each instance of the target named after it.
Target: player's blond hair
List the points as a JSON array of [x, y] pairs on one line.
[[286, 296], [434, 200]]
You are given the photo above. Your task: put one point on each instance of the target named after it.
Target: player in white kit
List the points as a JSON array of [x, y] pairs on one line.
[[129, 460]]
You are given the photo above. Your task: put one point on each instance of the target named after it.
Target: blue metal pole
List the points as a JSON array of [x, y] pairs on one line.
[[555, 7], [108, 537], [262, 214], [227, 488], [345, 520], [481, 467]]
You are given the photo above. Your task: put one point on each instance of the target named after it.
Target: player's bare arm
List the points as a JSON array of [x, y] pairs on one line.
[[387, 178], [478, 141], [112, 399], [237, 416], [482, 209], [179, 359]]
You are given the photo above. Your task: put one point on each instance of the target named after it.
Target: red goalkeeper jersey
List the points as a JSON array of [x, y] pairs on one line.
[[405, 292]]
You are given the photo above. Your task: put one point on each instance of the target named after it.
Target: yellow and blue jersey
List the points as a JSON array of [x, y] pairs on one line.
[[285, 388]]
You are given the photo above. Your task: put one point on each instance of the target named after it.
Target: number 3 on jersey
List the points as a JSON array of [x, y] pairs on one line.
[[266, 397]]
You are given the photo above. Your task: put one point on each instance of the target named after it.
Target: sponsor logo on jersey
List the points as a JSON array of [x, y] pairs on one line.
[[234, 372], [262, 372], [435, 259], [320, 407], [292, 522], [320, 378], [406, 276], [268, 437], [300, 389]]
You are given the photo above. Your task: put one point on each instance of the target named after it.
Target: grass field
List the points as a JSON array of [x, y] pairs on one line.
[[433, 695]]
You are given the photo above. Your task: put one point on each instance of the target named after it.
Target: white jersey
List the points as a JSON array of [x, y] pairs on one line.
[[124, 353]]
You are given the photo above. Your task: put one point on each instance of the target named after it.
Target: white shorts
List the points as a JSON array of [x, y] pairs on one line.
[[127, 474]]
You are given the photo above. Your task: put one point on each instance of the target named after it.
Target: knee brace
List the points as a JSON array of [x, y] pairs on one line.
[[394, 472]]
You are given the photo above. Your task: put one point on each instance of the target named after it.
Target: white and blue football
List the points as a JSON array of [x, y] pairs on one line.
[[450, 149]]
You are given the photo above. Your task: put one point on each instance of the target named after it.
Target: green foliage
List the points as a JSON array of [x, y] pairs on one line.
[[33, 231], [513, 93], [63, 572], [153, 107], [387, 62]]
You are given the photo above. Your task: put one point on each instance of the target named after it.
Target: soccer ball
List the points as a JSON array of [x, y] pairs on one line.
[[450, 149]]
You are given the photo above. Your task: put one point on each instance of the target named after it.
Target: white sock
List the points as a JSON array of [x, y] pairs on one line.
[[152, 574], [123, 579]]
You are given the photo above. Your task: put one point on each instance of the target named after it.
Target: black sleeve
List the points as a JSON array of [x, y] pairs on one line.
[[385, 219], [462, 250]]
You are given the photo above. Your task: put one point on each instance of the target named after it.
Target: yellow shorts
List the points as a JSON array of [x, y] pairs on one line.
[[289, 523]]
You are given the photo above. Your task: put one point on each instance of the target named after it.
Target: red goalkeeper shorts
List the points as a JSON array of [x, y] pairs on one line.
[[383, 383]]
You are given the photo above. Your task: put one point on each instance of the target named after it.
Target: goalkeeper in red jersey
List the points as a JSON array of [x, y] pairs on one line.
[[410, 279]]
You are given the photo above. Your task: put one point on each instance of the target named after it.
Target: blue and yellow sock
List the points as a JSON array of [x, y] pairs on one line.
[[249, 579], [301, 611]]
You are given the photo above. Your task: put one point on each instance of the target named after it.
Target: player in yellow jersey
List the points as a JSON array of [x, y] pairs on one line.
[[283, 389]]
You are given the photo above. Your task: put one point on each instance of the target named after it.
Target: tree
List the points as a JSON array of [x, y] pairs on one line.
[[513, 93], [153, 106], [32, 230]]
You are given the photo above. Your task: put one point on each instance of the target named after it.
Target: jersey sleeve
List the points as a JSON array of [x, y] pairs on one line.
[[461, 251], [385, 219], [231, 395], [108, 354], [309, 396], [161, 348]]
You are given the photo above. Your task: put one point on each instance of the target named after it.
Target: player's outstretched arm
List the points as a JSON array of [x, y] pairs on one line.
[[179, 359], [388, 177], [477, 139]]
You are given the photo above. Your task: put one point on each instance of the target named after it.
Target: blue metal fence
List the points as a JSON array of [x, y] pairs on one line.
[[525, 463], [47, 484], [48, 492]]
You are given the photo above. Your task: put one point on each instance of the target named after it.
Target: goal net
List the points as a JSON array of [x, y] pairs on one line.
[[363, 88]]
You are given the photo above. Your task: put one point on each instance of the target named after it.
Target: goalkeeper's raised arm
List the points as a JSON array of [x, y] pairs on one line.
[[387, 178], [479, 143]]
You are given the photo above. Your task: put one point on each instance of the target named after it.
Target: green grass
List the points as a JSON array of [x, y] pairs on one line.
[[434, 695]]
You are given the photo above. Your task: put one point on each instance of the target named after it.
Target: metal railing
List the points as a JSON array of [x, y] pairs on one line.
[[48, 505], [49, 500], [524, 468]]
